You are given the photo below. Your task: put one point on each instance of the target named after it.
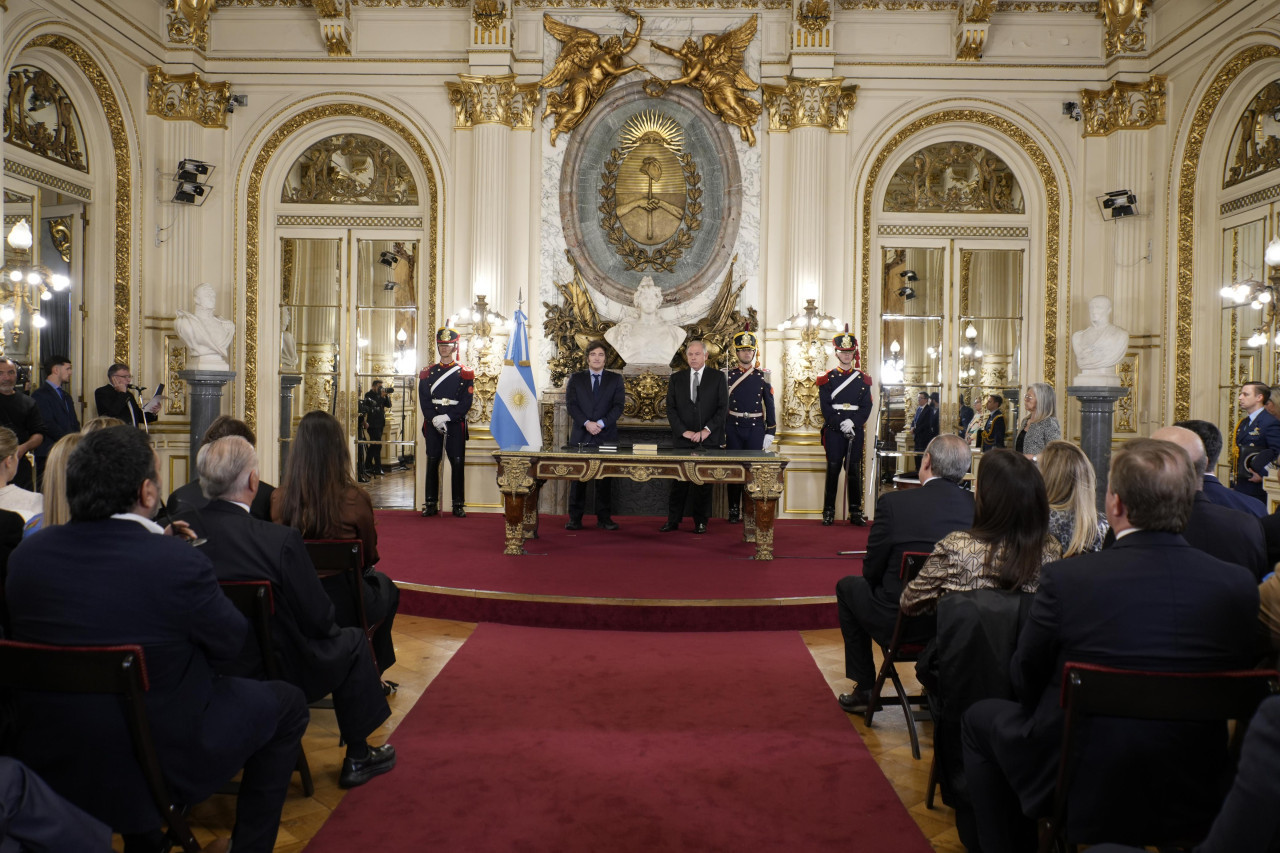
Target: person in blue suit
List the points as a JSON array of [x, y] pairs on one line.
[[594, 398], [1213, 488], [57, 410], [445, 391], [750, 424], [1257, 439]]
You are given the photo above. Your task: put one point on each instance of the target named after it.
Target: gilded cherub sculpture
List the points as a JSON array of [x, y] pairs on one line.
[[715, 69], [586, 68]]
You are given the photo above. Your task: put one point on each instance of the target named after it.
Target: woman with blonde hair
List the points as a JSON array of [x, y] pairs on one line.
[[1073, 511], [13, 497], [56, 508], [1040, 426]]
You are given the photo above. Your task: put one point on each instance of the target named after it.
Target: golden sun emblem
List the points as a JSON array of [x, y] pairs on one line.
[[653, 127], [519, 399]]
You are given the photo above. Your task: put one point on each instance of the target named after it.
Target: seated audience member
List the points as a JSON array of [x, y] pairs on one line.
[[191, 497], [319, 497], [1217, 493], [910, 520], [13, 497], [1006, 546], [1227, 534], [116, 400], [1071, 486], [315, 654], [56, 508], [108, 579], [102, 422], [1150, 602], [34, 819], [1040, 426]]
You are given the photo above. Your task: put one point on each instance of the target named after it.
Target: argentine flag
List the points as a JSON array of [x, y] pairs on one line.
[[515, 410]]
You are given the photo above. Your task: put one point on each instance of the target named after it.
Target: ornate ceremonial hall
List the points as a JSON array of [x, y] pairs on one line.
[[953, 182]]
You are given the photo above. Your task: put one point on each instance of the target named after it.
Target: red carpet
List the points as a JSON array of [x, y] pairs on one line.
[[534, 740]]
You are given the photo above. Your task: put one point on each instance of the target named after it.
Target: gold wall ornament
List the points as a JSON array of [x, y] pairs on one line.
[[488, 14], [954, 177], [175, 361], [723, 320], [336, 29], [651, 194], [572, 325], [715, 70], [491, 100], [812, 16], [60, 236], [1188, 176], [188, 22], [1127, 370], [122, 151], [41, 118], [1124, 106], [810, 102], [973, 24], [1124, 21], [802, 361], [586, 68], [646, 397], [350, 168], [187, 97], [1255, 145]]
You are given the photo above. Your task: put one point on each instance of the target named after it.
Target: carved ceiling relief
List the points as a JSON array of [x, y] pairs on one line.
[[1255, 145], [350, 169], [1125, 25], [41, 118], [188, 22], [954, 177], [187, 97]]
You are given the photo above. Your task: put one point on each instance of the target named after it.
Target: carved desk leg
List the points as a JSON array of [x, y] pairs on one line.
[[530, 520], [765, 488], [515, 482], [748, 517]]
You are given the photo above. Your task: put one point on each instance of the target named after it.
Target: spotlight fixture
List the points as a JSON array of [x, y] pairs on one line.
[[1071, 109], [388, 260], [234, 101], [909, 275], [189, 192], [1117, 204], [192, 179], [907, 291], [193, 171], [388, 285]]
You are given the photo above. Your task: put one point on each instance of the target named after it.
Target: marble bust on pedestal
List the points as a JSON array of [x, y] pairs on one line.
[[1099, 348], [645, 338], [208, 337]]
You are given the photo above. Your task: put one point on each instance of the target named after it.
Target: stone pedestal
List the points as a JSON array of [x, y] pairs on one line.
[[204, 390], [1097, 409], [287, 383]]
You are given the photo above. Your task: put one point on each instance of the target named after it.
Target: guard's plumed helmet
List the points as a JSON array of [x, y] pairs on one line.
[[445, 335], [845, 342], [744, 340]]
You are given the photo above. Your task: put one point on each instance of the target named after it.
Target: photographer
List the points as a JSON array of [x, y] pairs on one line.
[[374, 408]]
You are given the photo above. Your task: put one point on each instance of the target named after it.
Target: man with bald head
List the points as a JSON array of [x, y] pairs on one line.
[[1228, 534]]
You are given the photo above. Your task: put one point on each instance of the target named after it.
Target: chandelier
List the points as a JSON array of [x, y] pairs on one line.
[[24, 287]]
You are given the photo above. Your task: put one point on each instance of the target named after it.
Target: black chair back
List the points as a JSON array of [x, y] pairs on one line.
[[344, 558]]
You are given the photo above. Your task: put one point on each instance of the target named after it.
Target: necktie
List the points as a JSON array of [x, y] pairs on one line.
[[697, 379], [595, 384]]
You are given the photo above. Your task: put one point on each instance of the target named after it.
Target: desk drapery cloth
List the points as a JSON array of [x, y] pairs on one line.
[[515, 409]]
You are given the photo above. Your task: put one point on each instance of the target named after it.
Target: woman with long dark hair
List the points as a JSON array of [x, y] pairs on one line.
[[319, 496], [1006, 546]]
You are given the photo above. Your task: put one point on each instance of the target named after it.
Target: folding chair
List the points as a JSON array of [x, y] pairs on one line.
[[109, 670], [896, 652], [344, 558], [255, 601], [1093, 690]]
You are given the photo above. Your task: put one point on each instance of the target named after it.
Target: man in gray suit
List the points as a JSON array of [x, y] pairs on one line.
[[697, 404]]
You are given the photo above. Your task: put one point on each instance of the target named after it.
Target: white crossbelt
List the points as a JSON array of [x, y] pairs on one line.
[[443, 401], [747, 414], [445, 375]]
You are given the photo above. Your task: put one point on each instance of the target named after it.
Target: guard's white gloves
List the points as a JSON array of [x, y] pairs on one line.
[[439, 422], [846, 427], [768, 442]]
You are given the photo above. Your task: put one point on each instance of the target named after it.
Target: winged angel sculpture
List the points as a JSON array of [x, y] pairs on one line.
[[586, 69], [715, 69]]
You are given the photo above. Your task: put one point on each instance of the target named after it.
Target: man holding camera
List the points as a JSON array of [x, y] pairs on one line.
[[374, 405]]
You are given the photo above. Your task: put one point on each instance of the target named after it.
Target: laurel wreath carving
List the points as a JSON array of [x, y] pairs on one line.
[[664, 257]]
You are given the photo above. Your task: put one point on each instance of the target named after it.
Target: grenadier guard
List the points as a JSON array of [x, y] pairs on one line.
[[1257, 440], [751, 424], [845, 395], [445, 390]]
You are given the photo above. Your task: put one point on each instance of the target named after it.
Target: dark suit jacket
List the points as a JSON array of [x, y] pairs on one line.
[[113, 582], [911, 520], [111, 403], [314, 652], [710, 410], [1222, 496], [1227, 534], [1150, 602], [924, 426], [1259, 443], [583, 406], [58, 412], [188, 500]]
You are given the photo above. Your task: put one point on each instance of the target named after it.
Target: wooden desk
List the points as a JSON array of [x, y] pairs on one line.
[[521, 473]]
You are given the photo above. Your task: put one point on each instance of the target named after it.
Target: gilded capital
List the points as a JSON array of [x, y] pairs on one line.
[[187, 97], [336, 29], [1125, 25], [810, 102], [492, 100], [1124, 106], [188, 22], [973, 23]]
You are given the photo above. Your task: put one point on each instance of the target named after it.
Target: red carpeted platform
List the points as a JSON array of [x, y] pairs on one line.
[[538, 740], [634, 578]]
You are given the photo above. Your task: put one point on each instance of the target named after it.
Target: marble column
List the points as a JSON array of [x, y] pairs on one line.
[[204, 389], [1097, 409], [288, 382]]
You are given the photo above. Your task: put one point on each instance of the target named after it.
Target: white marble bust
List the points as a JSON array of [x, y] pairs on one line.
[[645, 338], [208, 338], [288, 346], [1100, 347]]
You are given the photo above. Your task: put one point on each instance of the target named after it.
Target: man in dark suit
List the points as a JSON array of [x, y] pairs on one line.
[[315, 653], [376, 402], [115, 400], [594, 398], [1211, 438], [911, 520], [1257, 439], [993, 427], [188, 500], [924, 425], [108, 579], [57, 410], [1150, 602], [1225, 533], [20, 413], [697, 404]]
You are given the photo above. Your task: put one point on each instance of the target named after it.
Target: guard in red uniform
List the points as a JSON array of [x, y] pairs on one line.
[[845, 395], [445, 390]]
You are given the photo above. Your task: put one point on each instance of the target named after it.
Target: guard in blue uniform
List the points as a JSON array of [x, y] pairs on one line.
[[750, 424], [445, 390], [845, 396], [1257, 440]]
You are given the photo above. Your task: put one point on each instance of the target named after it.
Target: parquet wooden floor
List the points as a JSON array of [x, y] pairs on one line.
[[424, 646]]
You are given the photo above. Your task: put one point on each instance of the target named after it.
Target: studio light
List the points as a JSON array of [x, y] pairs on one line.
[[192, 180], [389, 260], [388, 285], [189, 192], [194, 171], [1117, 204]]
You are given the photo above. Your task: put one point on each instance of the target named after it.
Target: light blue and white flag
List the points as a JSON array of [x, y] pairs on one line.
[[515, 409]]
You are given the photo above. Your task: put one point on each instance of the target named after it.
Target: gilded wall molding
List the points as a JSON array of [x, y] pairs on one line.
[[492, 100], [123, 221], [62, 185], [973, 24], [336, 29], [175, 361], [41, 118], [188, 22], [1053, 214], [289, 219], [1125, 25], [187, 97], [999, 231], [253, 226], [1126, 415], [1262, 196], [1188, 176], [1124, 106], [809, 102]]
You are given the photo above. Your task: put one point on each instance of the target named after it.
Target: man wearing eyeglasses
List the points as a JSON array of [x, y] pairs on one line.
[[116, 400]]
